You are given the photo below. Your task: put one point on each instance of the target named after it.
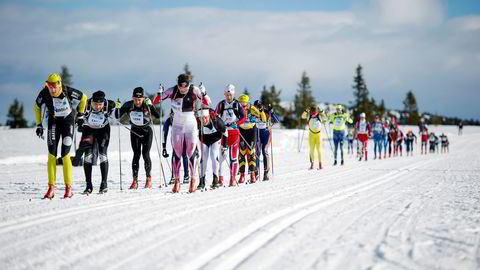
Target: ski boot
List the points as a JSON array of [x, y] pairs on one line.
[[172, 180], [201, 185], [215, 183], [88, 190], [253, 179], [148, 183], [50, 192], [341, 162], [265, 176], [103, 187], [176, 186], [334, 163], [233, 182], [242, 178], [68, 192], [380, 157], [186, 179], [193, 185], [134, 184], [220, 181], [311, 166], [320, 165], [375, 157]]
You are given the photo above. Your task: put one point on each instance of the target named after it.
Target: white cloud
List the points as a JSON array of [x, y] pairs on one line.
[[119, 50]]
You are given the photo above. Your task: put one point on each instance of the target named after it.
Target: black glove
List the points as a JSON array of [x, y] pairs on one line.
[[39, 131], [164, 153], [79, 121], [269, 107]]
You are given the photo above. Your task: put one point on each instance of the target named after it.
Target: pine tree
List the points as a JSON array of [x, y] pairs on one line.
[[360, 93], [186, 70], [15, 117], [246, 92], [410, 106], [66, 76], [272, 97], [381, 108], [304, 98]]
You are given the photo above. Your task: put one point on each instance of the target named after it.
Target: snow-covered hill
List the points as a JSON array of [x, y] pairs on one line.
[[420, 212]]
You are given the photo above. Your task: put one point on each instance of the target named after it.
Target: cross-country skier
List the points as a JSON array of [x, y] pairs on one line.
[[184, 126], [364, 131], [386, 138], [460, 128], [409, 138], [60, 101], [350, 141], [392, 141], [315, 118], [264, 131], [166, 127], [96, 130], [140, 111], [232, 115], [378, 137], [212, 130], [248, 138], [433, 142], [399, 142], [444, 141], [423, 132], [338, 119]]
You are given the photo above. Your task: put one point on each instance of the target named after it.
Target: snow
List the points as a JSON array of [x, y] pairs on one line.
[[420, 212]]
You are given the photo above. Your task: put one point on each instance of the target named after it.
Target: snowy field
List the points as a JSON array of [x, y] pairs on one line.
[[420, 212]]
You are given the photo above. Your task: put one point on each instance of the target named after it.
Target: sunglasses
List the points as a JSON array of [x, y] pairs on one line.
[[53, 84], [183, 85]]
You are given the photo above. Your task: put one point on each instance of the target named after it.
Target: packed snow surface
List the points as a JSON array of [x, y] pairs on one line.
[[420, 212]]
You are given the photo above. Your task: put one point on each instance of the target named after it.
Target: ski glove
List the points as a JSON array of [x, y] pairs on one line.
[[39, 131], [160, 90], [79, 121], [147, 101], [118, 105], [203, 90], [164, 153]]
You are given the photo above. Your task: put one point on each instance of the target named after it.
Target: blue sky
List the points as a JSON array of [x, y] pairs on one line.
[[429, 46]]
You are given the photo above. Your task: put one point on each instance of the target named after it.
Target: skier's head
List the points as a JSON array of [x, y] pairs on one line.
[[339, 108], [183, 81], [229, 92], [138, 96], [205, 115], [54, 84], [243, 100], [98, 98], [314, 110], [362, 116], [377, 118]]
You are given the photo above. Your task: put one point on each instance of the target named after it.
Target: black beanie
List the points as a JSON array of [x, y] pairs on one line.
[[138, 92], [98, 96], [183, 78]]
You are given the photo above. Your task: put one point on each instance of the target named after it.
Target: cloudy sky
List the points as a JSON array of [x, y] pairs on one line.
[[429, 46]]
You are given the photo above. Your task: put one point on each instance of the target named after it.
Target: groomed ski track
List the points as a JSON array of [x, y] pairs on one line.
[[420, 212]]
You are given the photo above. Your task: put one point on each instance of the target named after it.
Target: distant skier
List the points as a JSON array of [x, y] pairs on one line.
[[423, 132], [96, 130], [166, 128], [378, 137], [433, 142], [339, 119], [60, 101], [392, 141], [386, 138], [445, 143], [140, 112], [350, 141], [232, 115], [409, 138], [460, 128], [315, 118], [399, 142], [364, 132], [264, 135]]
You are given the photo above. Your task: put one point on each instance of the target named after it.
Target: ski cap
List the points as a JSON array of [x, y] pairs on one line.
[[230, 88], [362, 115], [138, 92], [339, 108], [98, 96], [243, 99]]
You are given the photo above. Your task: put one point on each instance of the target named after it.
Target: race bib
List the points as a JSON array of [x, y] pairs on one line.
[[61, 107], [362, 127], [315, 124], [177, 105], [378, 128], [136, 118], [96, 120], [261, 125], [207, 130], [338, 122], [229, 116]]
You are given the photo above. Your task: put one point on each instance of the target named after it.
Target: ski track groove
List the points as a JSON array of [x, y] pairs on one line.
[[285, 219]]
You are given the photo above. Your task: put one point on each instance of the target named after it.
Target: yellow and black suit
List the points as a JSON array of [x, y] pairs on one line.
[[61, 120], [314, 135], [248, 133]]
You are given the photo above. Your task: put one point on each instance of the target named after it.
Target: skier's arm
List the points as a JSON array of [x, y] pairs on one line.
[[123, 110], [304, 115], [220, 125], [153, 111]]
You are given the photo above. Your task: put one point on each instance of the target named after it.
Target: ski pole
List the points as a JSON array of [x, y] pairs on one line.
[[120, 157], [328, 138], [156, 141], [133, 132]]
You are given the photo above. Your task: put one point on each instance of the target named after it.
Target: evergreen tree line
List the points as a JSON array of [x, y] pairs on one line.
[[290, 114]]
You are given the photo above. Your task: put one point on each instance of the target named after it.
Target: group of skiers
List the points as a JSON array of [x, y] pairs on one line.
[[234, 131], [386, 135]]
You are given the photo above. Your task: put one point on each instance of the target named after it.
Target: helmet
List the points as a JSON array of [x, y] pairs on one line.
[[362, 115], [183, 78], [98, 96], [54, 78], [257, 103], [339, 108], [230, 88], [243, 99]]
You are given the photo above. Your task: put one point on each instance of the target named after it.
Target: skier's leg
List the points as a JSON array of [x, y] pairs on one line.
[[311, 148], [136, 143], [204, 160]]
